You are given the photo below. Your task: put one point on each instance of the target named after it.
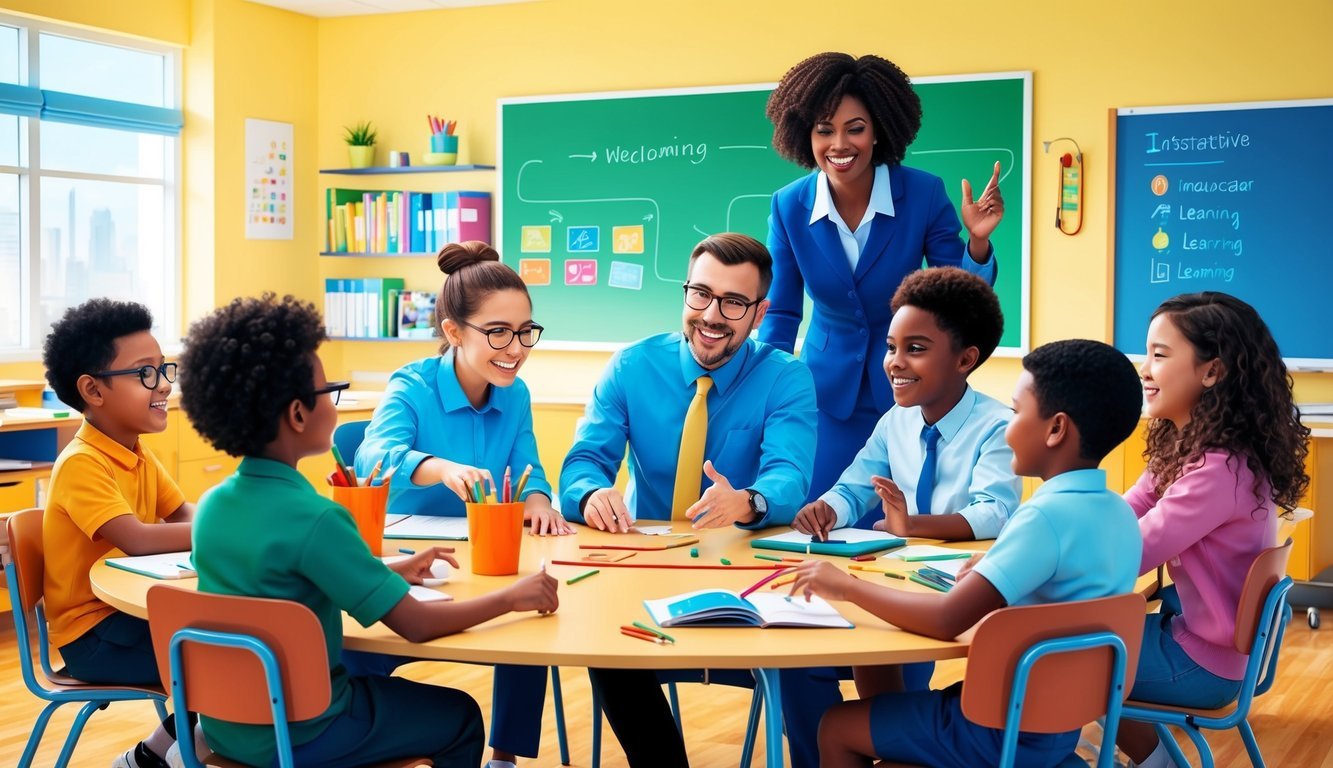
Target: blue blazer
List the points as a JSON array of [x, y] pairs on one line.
[[846, 336]]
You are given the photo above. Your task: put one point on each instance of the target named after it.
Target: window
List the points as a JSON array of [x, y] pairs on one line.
[[89, 199]]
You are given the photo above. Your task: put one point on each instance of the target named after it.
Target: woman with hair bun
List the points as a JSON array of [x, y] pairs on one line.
[[461, 417]]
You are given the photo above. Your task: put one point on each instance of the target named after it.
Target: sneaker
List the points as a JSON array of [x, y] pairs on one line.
[[138, 757], [174, 759]]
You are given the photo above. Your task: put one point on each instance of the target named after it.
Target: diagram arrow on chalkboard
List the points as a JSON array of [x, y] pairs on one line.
[[592, 157], [555, 216]]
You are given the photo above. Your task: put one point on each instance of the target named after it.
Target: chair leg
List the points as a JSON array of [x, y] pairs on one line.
[[76, 729], [1165, 736], [767, 680], [596, 729], [38, 728], [560, 735], [752, 727], [1251, 746]]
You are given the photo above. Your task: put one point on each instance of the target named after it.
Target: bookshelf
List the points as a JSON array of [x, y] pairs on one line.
[[379, 272]]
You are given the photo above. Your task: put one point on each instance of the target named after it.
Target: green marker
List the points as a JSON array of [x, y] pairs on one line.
[[582, 576], [926, 583], [769, 557]]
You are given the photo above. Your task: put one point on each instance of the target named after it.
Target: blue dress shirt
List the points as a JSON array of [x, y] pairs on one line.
[[854, 241], [424, 413], [761, 427], [974, 475], [1073, 540]]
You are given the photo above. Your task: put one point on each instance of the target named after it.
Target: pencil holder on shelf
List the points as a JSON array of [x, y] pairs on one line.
[[495, 532], [443, 150], [367, 504]]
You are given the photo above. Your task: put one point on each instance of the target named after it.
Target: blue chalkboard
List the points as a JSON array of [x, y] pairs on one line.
[[1226, 197]]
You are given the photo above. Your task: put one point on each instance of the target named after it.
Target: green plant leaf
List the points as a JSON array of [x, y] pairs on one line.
[[360, 135]]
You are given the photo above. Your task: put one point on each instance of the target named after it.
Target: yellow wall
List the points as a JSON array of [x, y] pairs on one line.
[[244, 60], [1086, 57]]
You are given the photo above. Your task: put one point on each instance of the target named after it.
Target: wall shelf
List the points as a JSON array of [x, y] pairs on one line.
[[431, 339], [370, 255], [384, 170]]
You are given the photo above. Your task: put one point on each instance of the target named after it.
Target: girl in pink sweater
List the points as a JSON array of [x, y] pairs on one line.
[[1225, 447]]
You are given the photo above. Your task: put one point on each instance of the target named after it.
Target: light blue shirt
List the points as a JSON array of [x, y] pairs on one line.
[[1073, 540], [974, 475], [761, 427], [424, 413], [881, 201]]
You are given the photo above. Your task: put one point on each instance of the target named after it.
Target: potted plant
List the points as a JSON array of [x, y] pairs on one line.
[[360, 140]]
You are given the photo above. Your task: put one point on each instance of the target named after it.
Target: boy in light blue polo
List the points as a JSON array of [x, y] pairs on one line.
[[1073, 540]]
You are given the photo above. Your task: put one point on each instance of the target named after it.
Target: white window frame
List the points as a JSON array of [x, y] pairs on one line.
[[30, 174]]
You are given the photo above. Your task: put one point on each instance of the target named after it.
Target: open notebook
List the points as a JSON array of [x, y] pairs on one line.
[[724, 608], [846, 542], [164, 565], [425, 527]]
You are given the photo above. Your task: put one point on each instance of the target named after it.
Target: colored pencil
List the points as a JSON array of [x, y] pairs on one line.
[[927, 583], [342, 467], [767, 579], [655, 631], [642, 636], [373, 472], [582, 576], [507, 488], [522, 481], [927, 558], [782, 582], [768, 557]]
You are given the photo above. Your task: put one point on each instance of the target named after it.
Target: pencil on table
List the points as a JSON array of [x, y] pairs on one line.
[[655, 631], [642, 636], [582, 576]]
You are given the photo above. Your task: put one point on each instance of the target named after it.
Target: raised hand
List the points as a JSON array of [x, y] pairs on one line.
[[983, 215]]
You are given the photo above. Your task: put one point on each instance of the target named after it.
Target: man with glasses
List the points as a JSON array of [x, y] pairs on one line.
[[721, 431]]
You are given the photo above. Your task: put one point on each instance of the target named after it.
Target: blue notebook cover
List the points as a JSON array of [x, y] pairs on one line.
[[845, 542], [724, 608]]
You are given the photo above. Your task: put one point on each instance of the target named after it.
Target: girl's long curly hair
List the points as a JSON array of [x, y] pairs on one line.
[[1249, 412]]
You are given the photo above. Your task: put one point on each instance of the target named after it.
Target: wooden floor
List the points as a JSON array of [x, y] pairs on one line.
[[1294, 721]]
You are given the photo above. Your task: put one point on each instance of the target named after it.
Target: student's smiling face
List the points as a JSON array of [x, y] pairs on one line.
[[712, 338], [1173, 377], [130, 409], [843, 142], [923, 365]]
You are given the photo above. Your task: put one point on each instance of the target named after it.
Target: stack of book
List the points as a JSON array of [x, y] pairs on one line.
[[366, 221]]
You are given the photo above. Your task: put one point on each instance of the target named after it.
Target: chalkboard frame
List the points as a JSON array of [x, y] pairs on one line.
[[1022, 164], [1311, 364]]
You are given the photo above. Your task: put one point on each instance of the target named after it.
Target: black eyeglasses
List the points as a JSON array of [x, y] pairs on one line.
[[149, 375], [333, 387], [501, 338], [699, 298]]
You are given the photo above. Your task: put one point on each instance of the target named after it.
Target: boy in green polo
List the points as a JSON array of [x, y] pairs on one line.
[[258, 390]]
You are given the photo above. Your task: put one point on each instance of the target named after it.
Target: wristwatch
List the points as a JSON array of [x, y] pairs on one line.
[[758, 504]]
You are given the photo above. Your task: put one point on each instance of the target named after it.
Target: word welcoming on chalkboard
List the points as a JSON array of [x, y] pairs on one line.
[[603, 196], [1223, 197]]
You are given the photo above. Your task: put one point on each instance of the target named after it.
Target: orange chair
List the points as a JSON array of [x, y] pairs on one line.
[[244, 660], [24, 570], [1261, 621], [1022, 659]]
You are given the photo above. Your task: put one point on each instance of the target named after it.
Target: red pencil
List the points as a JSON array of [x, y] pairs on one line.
[[640, 634], [766, 579]]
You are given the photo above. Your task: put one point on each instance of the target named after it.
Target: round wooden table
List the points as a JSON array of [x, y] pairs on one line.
[[585, 632]]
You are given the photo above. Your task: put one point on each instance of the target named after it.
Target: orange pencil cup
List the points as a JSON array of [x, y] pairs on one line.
[[367, 504], [496, 532]]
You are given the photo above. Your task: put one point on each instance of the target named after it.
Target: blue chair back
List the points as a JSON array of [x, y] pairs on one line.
[[24, 573], [347, 437], [1261, 622]]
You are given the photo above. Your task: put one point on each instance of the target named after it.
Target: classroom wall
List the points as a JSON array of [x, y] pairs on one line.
[[244, 60], [1086, 57]]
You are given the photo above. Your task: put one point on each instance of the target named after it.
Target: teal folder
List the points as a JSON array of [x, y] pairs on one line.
[[844, 542]]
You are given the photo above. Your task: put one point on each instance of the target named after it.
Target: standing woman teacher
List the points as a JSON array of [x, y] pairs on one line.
[[849, 232]]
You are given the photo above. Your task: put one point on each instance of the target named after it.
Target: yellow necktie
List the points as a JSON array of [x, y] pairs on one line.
[[690, 464]]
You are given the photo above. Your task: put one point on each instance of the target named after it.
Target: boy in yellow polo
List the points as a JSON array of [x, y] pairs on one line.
[[109, 491]]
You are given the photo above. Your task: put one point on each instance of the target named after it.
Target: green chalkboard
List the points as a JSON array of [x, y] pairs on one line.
[[603, 196]]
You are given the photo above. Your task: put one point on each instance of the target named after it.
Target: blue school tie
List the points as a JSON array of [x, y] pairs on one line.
[[925, 485]]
